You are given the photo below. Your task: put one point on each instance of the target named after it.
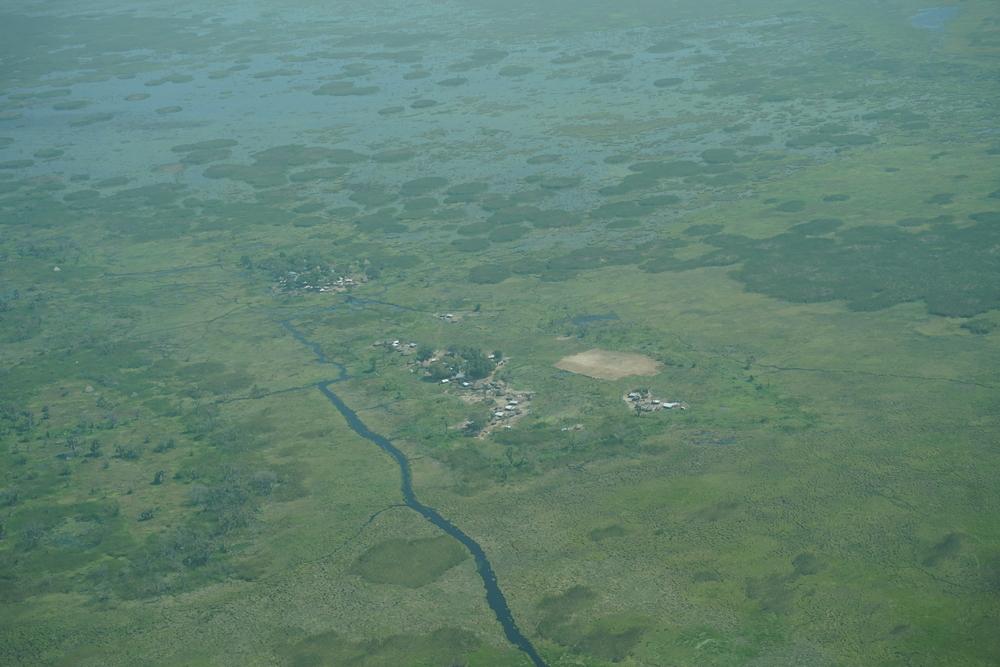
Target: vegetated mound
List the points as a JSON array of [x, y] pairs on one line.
[[605, 365]]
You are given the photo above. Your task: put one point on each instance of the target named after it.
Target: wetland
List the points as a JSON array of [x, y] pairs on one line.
[[684, 317]]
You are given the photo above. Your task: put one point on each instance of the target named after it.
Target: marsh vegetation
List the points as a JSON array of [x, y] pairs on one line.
[[785, 215]]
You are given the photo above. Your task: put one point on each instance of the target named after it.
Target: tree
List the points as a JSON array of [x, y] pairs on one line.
[[475, 364], [438, 371], [424, 352]]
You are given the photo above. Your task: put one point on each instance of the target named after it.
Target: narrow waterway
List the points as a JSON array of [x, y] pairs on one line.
[[494, 595]]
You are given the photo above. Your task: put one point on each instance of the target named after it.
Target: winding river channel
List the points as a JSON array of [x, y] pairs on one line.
[[494, 595]]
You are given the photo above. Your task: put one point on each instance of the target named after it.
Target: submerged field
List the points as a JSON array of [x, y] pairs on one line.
[[479, 227]]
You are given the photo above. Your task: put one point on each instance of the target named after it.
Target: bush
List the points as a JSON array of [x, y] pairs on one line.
[[127, 453]]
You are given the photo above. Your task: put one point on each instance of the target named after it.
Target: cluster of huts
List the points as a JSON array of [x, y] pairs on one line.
[[397, 346], [642, 400], [506, 404], [315, 281]]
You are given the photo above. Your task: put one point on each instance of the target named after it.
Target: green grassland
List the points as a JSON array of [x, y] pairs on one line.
[[791, 207]]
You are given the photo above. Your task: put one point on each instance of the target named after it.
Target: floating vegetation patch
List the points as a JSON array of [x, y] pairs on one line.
[[870, 268], [212, 377], [343, 156], [565, 620], [673, 169], [667, 46], [409, 563], [171, 78], [791, 206], [394, 155], [623, 223], [444, 646], [79, 196], [508, 233], [980, 326], [552, 219], [668, 82], [272, 73], [806, 564], [818, 139], [941, 198], [515, 70], [317, 174], [773, 594], [986, 217], [371, 194], [606, 533], [609, 77], [206, 156], [559, 182], [344, 89], [309, 207], [257, 176], [291, 155], [384, 221], [473, 244], [489, 274], [818, 227], [92, 119], [270, 166], [70, 105], [423, 185], [719, 155], [16, 164], [207, 145], [947, 548], [621, 209], [420, 204]]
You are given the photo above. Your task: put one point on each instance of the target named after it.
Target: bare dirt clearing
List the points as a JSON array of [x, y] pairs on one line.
[[605, 365]]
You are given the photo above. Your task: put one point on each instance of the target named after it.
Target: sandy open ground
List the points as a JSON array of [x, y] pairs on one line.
[[605, 365]]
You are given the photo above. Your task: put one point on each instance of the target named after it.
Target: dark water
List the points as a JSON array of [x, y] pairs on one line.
[[494, 595], [934, 18]]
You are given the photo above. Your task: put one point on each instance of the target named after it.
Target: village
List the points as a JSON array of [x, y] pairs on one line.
[[318, 280], [472, 376], [306, 272]]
